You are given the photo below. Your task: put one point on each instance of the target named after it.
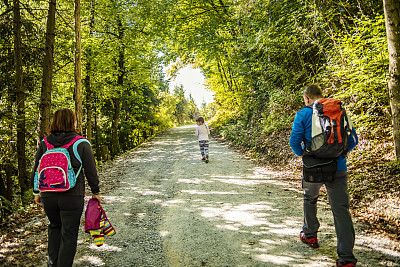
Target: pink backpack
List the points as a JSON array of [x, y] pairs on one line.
[[55, 172]]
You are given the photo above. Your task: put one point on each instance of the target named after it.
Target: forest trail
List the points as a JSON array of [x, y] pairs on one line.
[[171, 209]]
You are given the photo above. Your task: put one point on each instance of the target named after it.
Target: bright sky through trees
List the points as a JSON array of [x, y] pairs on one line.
[[193, 83]]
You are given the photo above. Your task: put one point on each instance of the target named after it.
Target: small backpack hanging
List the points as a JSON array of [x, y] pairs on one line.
[[55, 172]]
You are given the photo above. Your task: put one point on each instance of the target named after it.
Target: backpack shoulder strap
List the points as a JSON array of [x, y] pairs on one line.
[[76, 138], [306, 142], [75, 149], [48, 145]]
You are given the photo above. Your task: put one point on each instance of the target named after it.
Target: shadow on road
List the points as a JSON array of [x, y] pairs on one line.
[[172, 209]]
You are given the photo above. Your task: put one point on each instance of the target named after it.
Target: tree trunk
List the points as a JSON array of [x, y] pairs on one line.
[[22, 175], [3, 190], [48, 63], [115, 147], [78, 68], [392, 15], [89, 112], [9, 154], [9, 174], [89, 93], [96, 129]]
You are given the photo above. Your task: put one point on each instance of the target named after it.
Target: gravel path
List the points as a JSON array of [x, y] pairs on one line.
[[171, 209]]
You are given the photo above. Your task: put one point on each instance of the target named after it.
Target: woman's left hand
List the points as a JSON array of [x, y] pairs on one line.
[[97, 197]]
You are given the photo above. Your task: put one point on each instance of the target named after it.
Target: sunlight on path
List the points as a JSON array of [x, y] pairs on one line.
[[172, 209]]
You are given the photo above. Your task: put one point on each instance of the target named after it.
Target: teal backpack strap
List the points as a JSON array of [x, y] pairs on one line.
[[75, 149]]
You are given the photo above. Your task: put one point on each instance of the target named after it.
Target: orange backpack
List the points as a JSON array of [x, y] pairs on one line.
[[330, 129]]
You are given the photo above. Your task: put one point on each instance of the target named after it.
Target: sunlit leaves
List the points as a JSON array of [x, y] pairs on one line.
[[359, 70], [258, 55]]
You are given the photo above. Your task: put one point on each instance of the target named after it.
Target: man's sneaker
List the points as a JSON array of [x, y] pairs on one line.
[[203, 158], [207, 159], [311, 242], [345, 264]]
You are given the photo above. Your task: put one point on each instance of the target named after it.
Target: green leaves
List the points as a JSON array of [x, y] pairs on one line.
[[257, 57], [358, 66]]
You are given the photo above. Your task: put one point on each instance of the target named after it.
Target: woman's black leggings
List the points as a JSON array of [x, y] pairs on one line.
[[64, 213]]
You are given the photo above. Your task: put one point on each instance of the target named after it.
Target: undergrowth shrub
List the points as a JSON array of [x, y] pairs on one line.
[[356, 73]]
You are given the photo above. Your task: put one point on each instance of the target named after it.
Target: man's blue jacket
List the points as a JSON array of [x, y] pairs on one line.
[[301, 130]]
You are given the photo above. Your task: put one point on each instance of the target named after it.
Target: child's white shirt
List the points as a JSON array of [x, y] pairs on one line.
[[202, 131]]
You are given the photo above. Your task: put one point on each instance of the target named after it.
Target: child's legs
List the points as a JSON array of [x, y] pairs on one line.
[[206, 147], [203, 147]]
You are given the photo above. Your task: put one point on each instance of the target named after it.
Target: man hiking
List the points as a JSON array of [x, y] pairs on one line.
[[337, 188]]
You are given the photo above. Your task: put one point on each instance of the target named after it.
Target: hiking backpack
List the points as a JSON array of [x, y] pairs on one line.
[[55, 172], [330, 129]]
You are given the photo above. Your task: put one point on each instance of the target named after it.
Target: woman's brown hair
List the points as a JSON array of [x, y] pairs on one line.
[[63, 121]]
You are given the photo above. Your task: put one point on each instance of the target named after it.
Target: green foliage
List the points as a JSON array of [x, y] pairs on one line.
[[6, 208], [121, 59], [185, 110], [357, 72], [257, 56]]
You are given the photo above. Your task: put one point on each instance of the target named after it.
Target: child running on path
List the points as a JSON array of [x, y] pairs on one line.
[[202, 132]]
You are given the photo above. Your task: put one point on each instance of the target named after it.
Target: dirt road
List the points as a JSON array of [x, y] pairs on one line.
[[172, 209]]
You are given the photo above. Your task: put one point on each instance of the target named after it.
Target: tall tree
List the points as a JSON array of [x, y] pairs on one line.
[[392, 18], [6, 111], [88, 85], [48, 63], [20, 92], [10, 151], [116, 100], [78, 69]]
